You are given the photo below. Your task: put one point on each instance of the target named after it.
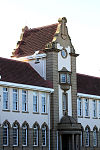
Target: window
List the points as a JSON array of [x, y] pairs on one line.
[[35, 135], [35, 102], [63, 78], [43, 103], [15, 99], [99, 108], [79, 107], [86, 107], [15, 135], [94, 108], [87, 137], [5, 98], [5, 135], [64, 101], [24, 100], [24, 135], [44, 136], [94, 137]]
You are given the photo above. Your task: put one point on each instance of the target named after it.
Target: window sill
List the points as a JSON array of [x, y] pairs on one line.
[[87, 117], [17, 111], [35, 112], [44, 113], [95, 118], [25, 112], [80, 116], [6, 110]]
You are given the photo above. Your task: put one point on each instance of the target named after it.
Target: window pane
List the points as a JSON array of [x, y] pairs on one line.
[[15, 135], [94, 138], [5, 98], [35, 136], [15, 99], [79, 107], [64, 102], [5, 135], [86, 107], [44, 136], [87, 137], [35, 102], [63, 78], [24, 136], [43, 104], [24, 100]]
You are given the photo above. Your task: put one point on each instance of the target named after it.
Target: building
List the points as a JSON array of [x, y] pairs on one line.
[[41, 78]]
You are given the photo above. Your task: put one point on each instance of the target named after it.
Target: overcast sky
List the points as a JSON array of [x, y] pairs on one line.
[[83, 22]]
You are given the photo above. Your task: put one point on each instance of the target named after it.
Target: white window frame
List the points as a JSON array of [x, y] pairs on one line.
[[44, 103], [5, 127], [63, 78], [86, 107], [16, 128], [94, 108], [44, 136], [24, 101], [35, 102], [80, 106], [94, 137], [5, 99], [35, 135], [24, 128], [87, 137], [15, 99]]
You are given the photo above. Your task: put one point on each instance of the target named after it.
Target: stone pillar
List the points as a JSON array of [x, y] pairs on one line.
[[74, 85], [52, 75], [73, 142]]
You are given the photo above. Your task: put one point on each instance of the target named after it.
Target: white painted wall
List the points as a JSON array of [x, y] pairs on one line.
[[20, 116], [61, 103], [91, 122], [39, 67], [64, 62]]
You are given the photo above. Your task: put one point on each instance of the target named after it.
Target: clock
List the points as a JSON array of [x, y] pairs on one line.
[[64, 53]]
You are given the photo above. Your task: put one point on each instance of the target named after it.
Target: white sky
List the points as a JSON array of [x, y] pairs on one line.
[[83, 24]]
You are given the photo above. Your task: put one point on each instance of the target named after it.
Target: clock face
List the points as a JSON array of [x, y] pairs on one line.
[[64, 53]]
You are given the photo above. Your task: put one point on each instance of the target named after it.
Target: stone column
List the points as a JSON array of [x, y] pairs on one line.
[[73, 142], [52, 75]]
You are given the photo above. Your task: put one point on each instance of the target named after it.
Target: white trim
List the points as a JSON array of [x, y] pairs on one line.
[[34, 56], [88, 96], [25, 86]]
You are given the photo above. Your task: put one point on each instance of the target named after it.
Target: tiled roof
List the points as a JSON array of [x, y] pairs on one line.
[[88, 84], [35, 39], [21, 72]]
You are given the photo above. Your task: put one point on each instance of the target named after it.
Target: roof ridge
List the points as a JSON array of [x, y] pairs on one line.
[[43, 26]]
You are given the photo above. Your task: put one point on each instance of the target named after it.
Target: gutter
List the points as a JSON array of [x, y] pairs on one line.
[[25, 86]]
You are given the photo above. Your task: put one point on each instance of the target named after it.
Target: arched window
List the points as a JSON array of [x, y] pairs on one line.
[[87, 139], [44, 135], [94, 137], [15, 135], [24, 135], [5, 134], [35, 135]]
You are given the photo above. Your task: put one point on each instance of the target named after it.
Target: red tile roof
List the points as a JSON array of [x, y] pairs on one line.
[[35, 39], [21, 72], [88, 84]]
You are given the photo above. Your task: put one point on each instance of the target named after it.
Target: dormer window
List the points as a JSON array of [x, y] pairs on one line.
[[65, 79]]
